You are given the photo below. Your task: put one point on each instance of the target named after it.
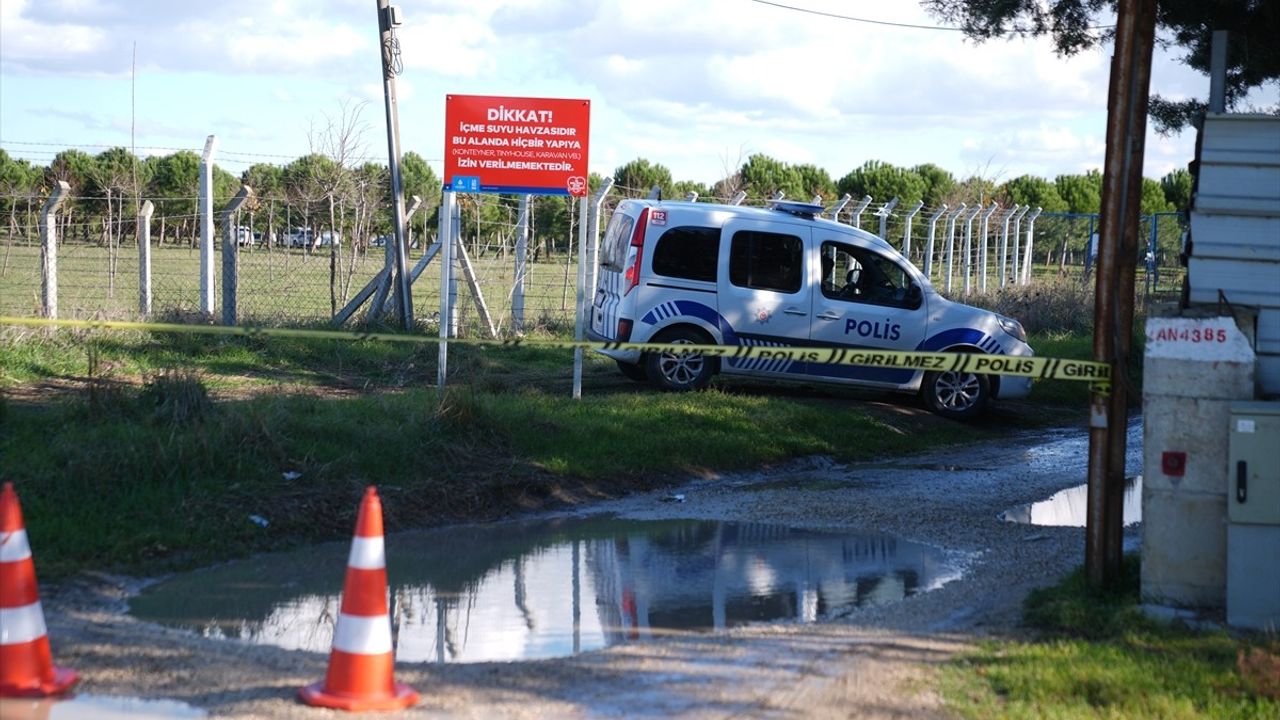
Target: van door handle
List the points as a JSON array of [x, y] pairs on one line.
[[794, 311], [829, 316]]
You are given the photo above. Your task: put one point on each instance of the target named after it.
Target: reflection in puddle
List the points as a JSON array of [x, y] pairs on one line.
[[1069, 508], [553, 588], [99, 707]]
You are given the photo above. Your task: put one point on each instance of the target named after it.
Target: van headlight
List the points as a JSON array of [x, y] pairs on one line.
[[1013, 327]]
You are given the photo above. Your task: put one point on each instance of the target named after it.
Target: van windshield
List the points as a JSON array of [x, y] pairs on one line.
[[617, 237]]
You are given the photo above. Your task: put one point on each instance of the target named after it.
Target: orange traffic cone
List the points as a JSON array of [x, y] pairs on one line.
[[360, 664], [26, 663]]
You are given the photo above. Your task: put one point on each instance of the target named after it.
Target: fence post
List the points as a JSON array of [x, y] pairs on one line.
[[928, 248], [579, 302], [835, 209], [951, 243], [522, 268], [49, 249], [144, 258], [884, 212], [455, 239], [738, 197], [982, 261], [1004, 246], [1017, 241], [378, 306], [448, 203], [906, 229], [593, 225], [857, 211], [206, 225], [231, 255], [691, 196], [1026, 258]]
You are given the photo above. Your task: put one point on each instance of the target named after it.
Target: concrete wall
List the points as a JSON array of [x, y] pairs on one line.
[[1196, 364]]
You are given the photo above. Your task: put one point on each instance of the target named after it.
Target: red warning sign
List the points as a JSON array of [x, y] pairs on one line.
[[526, 146]]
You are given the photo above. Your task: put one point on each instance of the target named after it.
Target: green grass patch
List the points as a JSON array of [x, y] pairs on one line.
[[145, 452], [1097, 656]]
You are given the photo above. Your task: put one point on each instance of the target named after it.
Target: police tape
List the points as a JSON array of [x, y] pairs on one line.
[[1045, 368]]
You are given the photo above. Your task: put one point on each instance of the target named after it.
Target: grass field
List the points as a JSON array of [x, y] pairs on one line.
[[1094, 654], [278, 286]]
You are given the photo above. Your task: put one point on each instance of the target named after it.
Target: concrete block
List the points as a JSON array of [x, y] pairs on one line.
[[1199, 428], [1196, 378], [1184, 548]]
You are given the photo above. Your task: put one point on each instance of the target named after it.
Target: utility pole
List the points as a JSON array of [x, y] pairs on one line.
[[388, 21], [1117, 260]]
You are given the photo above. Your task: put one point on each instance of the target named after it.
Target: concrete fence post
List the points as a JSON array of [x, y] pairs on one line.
[[144, 257], [858, 209], [835, 209], [1026, 258], [231, 255], [448, 205], [49, 249], [206, 225], [928, 248], [906, 228], [951, 242], [738, 197], [982, 258], [884, 212], [580, 310], [1004, 245], [1017, 241], [968, 248], [522, 265]]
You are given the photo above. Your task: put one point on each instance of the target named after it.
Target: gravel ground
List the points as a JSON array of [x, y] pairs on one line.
[[872, 662]]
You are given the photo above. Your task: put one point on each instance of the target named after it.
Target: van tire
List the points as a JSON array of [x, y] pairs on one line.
[[633, 371], [956, 395], [680, 371]]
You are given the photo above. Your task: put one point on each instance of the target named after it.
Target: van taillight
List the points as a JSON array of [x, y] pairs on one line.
[[624, 331], [637, 241]]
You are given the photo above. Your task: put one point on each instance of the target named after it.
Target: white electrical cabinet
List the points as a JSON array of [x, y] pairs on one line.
[[1253, 516]]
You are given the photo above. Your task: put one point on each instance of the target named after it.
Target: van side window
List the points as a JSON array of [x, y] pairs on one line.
[[858, 275], [765, 261], [617, 237], [688, 252]]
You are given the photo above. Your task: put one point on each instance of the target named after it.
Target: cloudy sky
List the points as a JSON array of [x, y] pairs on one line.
[[697, 85]]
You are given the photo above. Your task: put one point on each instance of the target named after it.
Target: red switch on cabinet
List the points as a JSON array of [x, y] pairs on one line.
[[1173, 463]]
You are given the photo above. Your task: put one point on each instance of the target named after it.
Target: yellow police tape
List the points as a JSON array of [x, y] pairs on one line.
[[1036, 367]]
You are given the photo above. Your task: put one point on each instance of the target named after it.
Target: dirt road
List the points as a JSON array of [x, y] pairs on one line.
[[872, 662]]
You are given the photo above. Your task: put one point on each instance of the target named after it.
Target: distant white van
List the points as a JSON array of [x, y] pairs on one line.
[[701, 273]]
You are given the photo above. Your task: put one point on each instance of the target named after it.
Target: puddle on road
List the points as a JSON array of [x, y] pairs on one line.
[[1069, 508], [99, 707], [555, 588]]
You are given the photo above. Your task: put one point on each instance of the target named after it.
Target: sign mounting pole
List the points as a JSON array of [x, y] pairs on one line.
[[388, 20]]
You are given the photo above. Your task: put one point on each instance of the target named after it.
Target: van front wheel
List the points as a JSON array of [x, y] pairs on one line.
[[956, 395], [676, 369]]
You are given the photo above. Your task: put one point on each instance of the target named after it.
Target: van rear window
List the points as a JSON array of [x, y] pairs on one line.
[[688, 252], [617, 237], [765, 261]]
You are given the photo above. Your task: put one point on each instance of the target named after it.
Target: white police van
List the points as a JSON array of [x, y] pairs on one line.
[[701, 273]]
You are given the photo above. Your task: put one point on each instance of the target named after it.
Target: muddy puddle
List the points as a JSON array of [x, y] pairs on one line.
[[554, 588], [98, 707], [1069, 508]]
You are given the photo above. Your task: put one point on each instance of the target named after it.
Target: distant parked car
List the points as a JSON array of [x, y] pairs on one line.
[[379, 241], [244, 236], [298, 237], [328, 237], [258, 238]]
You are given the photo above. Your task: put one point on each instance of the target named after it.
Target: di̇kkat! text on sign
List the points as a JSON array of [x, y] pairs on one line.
[[516, 145]]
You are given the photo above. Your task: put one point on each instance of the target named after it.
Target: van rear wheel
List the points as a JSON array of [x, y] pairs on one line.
[[956, 395], [680, 370], [633, 371]]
